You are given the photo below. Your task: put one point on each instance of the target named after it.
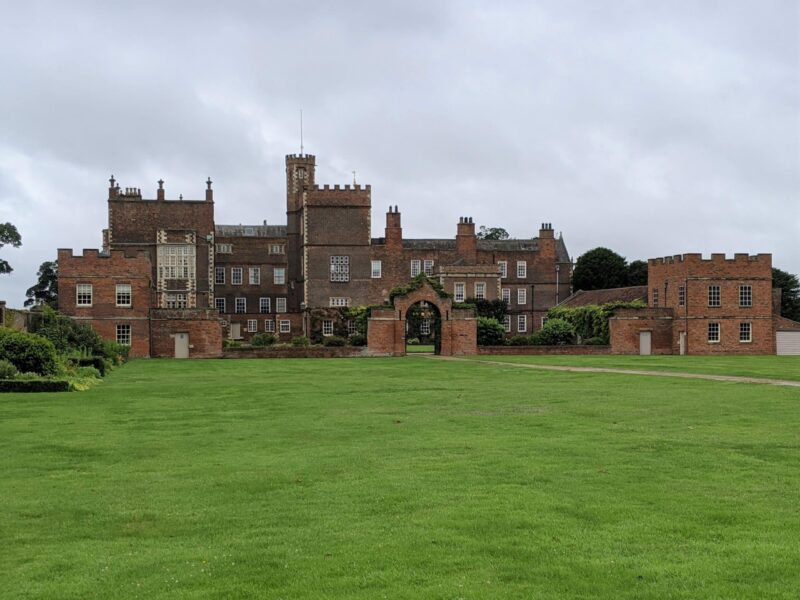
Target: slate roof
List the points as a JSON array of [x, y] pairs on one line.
[[624, 294], [530, 245]]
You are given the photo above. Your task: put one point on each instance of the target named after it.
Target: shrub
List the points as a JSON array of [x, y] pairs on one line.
[[595, 341], [556, 332], [490, 332], [97, 362], [228, 343], [66, 334], [263, 339], [35, 385], [358, 339], [300, 341], [88, 372], [519, 340], [7, 370], [28, 352], [118, 353], [334, 340]]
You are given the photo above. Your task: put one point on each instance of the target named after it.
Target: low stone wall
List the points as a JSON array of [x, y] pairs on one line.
[[543, 350], [13, 318], [308, 352]]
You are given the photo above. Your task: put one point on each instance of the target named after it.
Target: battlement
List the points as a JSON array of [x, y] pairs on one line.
[[341, 188], [695, 258], [309, 157], [66, 254]]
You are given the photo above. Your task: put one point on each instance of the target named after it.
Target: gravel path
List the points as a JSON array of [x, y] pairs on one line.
[[709, 377]]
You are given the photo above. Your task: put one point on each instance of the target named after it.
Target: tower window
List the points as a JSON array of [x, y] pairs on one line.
[[340, 268], [714, 295], [745, 295]]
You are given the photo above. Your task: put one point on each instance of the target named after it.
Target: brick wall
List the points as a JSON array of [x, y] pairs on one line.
[[542, 350], [627, 324], [202, 325], [308, 352]]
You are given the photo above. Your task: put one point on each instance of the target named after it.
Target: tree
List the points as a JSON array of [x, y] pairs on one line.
[[491, 309], [490, 332], [600, 269], [492, 233], [790, 293], [45, 291], [555, 332], [637, 273], [8, 235]]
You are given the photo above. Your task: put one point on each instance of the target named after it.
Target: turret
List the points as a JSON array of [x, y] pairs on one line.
[[299, 176], [209, 191]]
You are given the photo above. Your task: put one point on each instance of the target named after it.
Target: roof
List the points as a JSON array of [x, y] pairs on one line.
[[268, 231], [784, 324], [430, 244], [514, 245], [623, 294]]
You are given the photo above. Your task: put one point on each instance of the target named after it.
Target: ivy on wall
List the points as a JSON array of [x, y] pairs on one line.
[[415, 284], [591, 321]]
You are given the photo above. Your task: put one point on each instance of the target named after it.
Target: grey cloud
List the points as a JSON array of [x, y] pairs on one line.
[[649, 128]]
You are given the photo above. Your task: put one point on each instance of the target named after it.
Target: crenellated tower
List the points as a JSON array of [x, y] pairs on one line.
[[300, 178]]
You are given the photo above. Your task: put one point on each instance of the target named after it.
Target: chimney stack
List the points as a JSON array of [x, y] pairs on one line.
[[466, 242], [394, 230]]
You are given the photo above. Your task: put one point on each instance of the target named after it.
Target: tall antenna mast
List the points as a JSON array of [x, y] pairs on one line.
[[301, 132]]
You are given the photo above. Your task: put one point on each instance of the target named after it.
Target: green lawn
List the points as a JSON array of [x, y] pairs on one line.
[[771, 367], [416, 348], [399, 478]]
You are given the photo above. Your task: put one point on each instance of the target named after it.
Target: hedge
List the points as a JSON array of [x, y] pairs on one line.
[[33, 385]]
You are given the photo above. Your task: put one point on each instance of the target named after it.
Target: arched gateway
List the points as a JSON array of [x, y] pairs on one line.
[[386, 333]]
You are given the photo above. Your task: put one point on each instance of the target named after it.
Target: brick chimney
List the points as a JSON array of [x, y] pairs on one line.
[[160, 190], [547, 241], [466, 242], [209, 191], [394, 230]]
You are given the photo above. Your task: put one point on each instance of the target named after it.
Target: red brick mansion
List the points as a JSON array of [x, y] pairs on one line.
[[170, 281]]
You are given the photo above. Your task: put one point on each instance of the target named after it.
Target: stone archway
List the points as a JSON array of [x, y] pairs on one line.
[[386, 331]]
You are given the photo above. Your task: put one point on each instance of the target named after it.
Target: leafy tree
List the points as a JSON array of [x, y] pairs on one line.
[[790, 293], [491, 309], [600, 269], [492, 233], [45, 291], [8, 235], [637, 273]]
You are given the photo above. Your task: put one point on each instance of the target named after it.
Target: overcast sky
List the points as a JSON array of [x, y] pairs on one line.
[[652, 128]]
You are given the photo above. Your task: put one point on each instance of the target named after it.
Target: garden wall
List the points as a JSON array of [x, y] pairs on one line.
[[543, 350], [307, 352]]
